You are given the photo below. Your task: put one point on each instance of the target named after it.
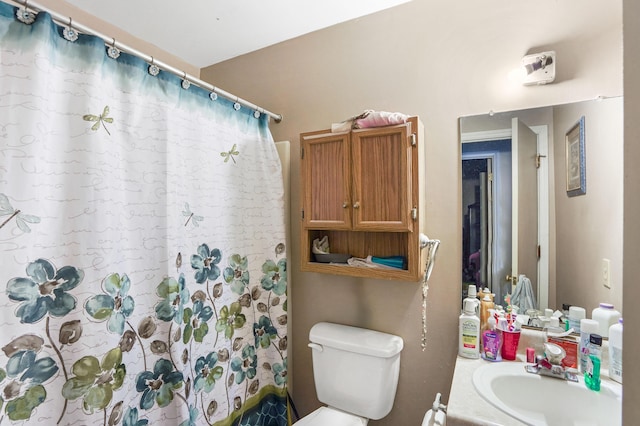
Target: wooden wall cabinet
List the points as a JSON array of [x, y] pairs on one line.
[[362, 189]]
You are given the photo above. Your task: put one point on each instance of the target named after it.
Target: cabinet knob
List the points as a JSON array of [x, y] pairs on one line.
[[344, 205], [356, 205]]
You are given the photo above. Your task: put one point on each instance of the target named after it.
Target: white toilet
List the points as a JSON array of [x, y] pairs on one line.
[[356, 374]]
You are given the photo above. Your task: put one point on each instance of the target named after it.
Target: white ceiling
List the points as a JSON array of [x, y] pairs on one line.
[[205, 32]]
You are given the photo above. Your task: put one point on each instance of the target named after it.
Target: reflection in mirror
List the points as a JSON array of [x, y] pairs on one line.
[[518, 216]]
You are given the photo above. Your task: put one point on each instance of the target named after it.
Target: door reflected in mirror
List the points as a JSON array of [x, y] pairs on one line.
[[517, 216]]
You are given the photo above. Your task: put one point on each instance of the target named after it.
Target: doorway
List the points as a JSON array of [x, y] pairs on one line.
[[486, 201]]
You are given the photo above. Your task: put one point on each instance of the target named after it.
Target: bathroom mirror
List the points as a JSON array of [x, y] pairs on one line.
[[518, 216]]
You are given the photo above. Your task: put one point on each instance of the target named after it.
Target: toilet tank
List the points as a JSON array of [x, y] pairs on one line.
[[355, 369]]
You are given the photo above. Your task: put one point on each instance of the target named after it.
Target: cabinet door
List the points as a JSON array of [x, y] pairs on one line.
[[326, 176], [382, 197]]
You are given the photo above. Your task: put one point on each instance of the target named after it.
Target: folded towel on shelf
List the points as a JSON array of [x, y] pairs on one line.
[[370, 118], [379, 119], [391, 262]]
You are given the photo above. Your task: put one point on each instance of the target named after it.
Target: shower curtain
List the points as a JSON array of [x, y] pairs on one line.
[[142, 258]]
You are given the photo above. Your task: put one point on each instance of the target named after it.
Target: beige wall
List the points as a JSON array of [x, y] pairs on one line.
[[439, 62], [631, 265], [589, 227]]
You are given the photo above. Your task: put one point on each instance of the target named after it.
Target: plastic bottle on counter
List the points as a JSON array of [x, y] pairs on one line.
[[606, 315], [576, 313], [615, 352], [592, 374], [486, 304], [553, 326], [565, 310], [587, 327], [486, 292], [469, 332], [471, 295]]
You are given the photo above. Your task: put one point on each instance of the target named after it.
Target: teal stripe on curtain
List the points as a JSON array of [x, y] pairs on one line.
[[141, 241]]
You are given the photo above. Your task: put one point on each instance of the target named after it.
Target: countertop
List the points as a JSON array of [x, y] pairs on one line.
[[466, 407]]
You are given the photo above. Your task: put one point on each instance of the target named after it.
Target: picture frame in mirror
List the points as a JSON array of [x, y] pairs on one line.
[[575, 160]]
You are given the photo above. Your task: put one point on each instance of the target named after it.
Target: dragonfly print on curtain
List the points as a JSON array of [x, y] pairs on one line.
[[141, 242]]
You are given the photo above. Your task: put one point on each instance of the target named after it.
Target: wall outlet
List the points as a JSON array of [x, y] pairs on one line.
[[606, 273]]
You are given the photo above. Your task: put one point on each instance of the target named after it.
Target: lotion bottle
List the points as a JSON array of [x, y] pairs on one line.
[[469, 332], [615, 351], [485, 305]]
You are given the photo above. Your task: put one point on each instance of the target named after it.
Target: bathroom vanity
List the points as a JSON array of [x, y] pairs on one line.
[[466, 406]]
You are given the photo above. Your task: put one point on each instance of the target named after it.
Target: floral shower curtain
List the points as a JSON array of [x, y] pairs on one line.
[[142, 256]]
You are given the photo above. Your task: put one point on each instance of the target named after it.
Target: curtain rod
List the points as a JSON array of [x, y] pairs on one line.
[[65, 20]]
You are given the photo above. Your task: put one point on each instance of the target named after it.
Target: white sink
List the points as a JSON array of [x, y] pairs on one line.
[[540, 400]]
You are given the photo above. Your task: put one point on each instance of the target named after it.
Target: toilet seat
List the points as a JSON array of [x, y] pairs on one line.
[[324, 416]]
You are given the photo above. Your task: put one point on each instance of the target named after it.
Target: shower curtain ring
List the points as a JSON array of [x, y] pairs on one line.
[[213, 95], [236, 105], [69, 33], [23, 15], [185, 82], [153, 68], [112, 50]]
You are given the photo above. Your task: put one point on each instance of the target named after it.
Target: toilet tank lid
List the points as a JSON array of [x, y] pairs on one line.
[[354, 339]]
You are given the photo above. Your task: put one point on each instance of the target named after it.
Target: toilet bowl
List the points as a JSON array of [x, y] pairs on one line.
[[355, 372]]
